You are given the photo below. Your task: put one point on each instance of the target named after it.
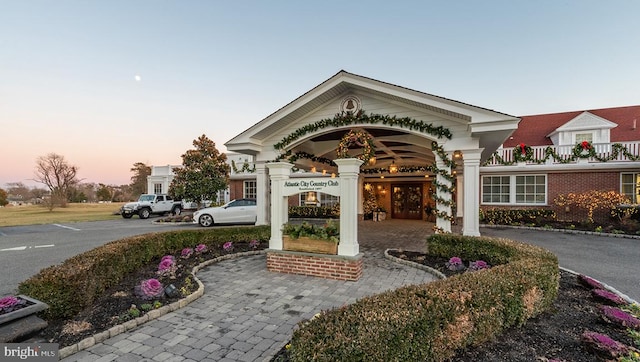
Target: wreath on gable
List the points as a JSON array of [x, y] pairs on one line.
[[583, 149], [356, 138], [522, 153]]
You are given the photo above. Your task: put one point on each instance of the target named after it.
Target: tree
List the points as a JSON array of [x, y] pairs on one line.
[[204, 172], [58, 175], [3, 197], [139, 179], [104, 193], [18, 190]]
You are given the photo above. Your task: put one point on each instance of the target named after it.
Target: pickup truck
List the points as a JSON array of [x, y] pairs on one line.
[[149, 204]]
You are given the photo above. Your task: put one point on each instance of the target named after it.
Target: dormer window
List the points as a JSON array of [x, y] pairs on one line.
[[584, 137]]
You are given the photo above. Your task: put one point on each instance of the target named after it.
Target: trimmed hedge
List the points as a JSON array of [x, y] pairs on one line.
[[324, 212], [429, 322], [516, 216], [73, 285]]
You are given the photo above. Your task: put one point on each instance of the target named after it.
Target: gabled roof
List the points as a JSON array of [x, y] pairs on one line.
[[479, 119], [534, 130]]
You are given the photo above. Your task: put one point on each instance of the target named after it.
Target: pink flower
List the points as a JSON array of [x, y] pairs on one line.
[[620, 317], [166, 264], [9, 301], [186, 252], [607, 296], [201, 248], [254, 244], [151, 288], [228, 246]]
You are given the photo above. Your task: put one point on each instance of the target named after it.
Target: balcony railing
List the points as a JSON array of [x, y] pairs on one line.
[[550, 155]]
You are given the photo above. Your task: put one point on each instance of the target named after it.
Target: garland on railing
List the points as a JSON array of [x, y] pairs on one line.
[[245, 167], [444, 173], [581, 150], [348, 119]]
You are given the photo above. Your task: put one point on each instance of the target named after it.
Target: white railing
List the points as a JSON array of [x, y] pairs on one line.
[[602, 150]]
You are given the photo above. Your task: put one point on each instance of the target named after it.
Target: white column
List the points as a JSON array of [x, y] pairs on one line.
[[360, 195], [278, 173], [459, 196], [348, 170], [262, 194], [470, 221], [443, 224]]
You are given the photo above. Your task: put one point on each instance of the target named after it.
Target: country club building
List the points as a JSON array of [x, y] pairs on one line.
[[422, 152]]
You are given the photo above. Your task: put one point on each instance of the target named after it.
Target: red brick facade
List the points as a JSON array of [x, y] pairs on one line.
[[323, 266]]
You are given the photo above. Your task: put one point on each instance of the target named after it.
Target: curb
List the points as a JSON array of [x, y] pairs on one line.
[[152, 314], [566, 231], [608, 287]]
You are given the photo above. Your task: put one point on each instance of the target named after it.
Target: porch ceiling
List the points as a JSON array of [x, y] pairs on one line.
[[391, 146]]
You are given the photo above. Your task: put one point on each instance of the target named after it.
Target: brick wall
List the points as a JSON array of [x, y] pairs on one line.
[[579, 182], [324, 266], [574, 182]]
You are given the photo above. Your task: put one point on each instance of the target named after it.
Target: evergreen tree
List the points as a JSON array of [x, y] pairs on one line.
[[204, 172]]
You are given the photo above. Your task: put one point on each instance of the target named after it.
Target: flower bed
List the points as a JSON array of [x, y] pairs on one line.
[[71, 286], [431, 321]]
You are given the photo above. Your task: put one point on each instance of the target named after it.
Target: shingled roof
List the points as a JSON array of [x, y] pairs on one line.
[[533, 130]]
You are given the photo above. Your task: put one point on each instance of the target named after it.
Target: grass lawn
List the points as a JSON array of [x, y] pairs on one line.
[[35, 214]]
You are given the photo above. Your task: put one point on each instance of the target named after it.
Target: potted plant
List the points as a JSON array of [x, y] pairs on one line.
[[306, 237]]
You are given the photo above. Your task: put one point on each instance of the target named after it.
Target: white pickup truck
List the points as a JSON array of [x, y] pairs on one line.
[[149, 204]]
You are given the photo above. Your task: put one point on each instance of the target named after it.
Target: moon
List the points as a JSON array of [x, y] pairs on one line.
[[137, 77]]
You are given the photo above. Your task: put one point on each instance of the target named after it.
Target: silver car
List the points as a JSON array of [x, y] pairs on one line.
[[240, 211]]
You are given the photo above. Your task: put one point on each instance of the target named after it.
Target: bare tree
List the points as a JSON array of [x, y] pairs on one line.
[[59, 176]]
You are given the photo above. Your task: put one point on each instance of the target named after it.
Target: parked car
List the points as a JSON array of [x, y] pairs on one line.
[[149, 204], [240, 211]]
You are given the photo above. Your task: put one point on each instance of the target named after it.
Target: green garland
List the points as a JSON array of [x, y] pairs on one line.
[[445, 173], [245, 167], [579, 151], [348, 119], [360, 138]]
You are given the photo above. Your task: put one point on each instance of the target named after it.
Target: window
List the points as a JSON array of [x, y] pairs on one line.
[[584, 137], [520, 189], [630, 186], [157, 189], [496, 189], [250, 189], [531, 189], [324, 199], [329, 200]]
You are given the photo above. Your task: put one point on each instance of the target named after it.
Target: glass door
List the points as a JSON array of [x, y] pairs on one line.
[[406, 201]]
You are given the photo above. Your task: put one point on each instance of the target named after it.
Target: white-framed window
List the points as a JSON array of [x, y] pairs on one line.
[[329, 200], [496, 189], [250, 189], [584, 137], [514, 189], [157, 188], [630, 186], [323, 199]]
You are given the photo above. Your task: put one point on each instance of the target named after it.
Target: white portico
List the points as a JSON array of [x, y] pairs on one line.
[[414, 137]]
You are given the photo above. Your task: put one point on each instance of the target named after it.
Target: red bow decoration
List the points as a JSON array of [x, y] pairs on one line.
[[585, 145], [523, 149]]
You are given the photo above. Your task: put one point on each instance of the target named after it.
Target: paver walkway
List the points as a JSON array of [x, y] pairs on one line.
[[248, 313]]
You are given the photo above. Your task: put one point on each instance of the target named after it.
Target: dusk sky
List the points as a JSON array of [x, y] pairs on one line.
[[107, 84]]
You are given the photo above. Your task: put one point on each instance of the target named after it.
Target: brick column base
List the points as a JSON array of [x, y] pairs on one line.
[[318, 265]]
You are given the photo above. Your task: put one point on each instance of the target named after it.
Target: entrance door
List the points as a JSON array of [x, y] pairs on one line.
[[406, 201]]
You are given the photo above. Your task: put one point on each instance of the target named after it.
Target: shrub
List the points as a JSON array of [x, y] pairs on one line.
[[321, 212], [516, 216], [429, 322], [71, 286]]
